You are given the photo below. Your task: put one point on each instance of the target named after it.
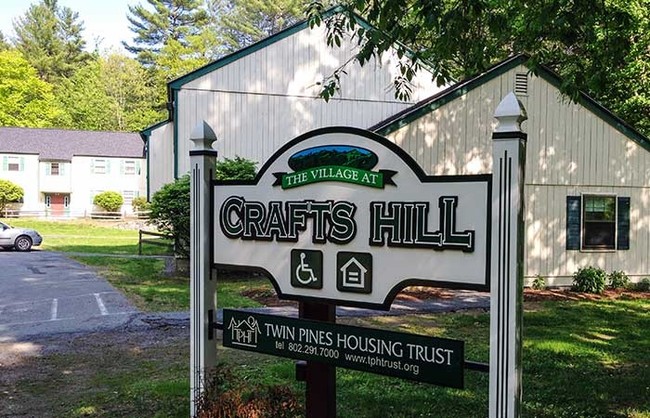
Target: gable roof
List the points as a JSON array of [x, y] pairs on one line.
[[438, 100], [62, 144]]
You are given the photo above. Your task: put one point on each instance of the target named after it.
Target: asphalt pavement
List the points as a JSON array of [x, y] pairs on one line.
[[44, 292]]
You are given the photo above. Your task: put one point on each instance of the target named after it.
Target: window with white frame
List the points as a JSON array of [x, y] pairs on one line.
[[598, 222], [128, 196], [55, 169], [99, 166], [130, 167], [13, 163]]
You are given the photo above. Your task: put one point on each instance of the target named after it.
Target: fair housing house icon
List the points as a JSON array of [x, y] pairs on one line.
[[244, 332], [354, 272]]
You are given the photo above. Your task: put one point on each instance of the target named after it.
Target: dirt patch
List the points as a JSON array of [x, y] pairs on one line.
[[418, 293]]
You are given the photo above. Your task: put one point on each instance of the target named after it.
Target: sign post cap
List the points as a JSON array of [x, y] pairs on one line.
[[510, 113], [203, 136]]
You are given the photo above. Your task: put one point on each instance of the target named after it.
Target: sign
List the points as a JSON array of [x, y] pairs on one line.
[[415, 357], [337, 206]]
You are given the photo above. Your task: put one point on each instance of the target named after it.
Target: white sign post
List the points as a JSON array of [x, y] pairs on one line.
[[203, 295], [342, 216], [506, 311]]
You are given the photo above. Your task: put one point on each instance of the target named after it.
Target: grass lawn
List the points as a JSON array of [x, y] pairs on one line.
[[581, 359]]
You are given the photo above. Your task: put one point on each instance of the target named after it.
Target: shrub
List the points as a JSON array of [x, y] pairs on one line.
[[109, 201], [170, 206], [9, 192], [539, 283], [589, 280], [140, 204], [170, 213], [643, 285], [618, 280], [236, 169]]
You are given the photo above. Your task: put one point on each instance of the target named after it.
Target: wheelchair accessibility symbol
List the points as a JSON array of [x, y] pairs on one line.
[[307, 269]]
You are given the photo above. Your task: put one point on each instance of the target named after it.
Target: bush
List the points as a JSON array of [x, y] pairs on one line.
[[589, 280], [643, 285], [9, 192], [235, 169], [170, 213], [140, 204], [170, 206], [109, 201], [618, 280], [539, 283]]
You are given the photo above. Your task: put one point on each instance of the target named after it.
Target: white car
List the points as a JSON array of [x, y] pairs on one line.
[[19, 238]]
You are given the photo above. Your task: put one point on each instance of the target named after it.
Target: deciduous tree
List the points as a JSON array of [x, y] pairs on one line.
[[9, 192], [25, 99]]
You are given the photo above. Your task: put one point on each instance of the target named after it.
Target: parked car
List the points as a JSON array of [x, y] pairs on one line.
[[19, 238]]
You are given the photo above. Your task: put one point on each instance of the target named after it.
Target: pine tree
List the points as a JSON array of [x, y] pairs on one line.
[[50, 38], [4, 45], [247, 21], [175, 20]]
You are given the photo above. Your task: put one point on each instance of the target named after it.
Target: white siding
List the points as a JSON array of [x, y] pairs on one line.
[[27, 178], [570, 151], [259, 102], [161, 157]]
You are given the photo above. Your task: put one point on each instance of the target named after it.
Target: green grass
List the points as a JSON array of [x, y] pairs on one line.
[[580, 360], [87, 236]]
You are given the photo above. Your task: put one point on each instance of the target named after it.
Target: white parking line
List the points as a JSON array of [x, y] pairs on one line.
[[55, 309], [12, 324], [100, 304]]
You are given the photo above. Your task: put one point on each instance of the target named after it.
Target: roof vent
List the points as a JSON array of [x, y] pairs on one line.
[[521, 84]]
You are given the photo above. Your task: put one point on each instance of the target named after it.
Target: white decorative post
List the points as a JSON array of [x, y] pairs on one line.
[[506, 310], [203, 297]]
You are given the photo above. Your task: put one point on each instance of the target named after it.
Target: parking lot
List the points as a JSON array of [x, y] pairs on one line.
[[45, 292]]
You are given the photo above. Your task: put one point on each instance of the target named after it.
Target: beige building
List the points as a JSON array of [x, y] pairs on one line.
[[264, 95], [587, 171]]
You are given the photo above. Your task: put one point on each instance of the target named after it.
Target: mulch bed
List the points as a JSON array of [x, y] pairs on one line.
[[415, 293]]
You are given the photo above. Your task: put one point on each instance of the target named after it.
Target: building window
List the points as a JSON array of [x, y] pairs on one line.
[[55, 169], [128, 196], [66, 201], [48, 200], [598, 222], [13, 164], [130, 168], [99, 166]]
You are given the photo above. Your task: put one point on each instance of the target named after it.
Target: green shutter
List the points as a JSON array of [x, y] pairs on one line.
[[5, 163], [22, 164], [92, 165], [62, 169], [108, 166], [137, 167], [573, 222], [48, 169], [623, 224], [122, 167]]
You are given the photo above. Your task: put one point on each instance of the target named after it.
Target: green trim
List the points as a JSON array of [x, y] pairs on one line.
[[175, 119], [145, 134], [415, 112], [208, 68]]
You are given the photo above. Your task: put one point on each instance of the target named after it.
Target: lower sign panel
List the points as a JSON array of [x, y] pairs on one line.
[[426, 359]]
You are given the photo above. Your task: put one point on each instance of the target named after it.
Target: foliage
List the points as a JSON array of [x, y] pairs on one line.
[[235, 169], [618, 280], [225, 396], [169, 20], [112, 93], [25, 100], [50, 38], [643, 285], [170, 206], [539, 282], [602, 48], [244, 22], [590, 280], [170, 213], [109, 201], [140, 204], [9, 192], [4, 45]]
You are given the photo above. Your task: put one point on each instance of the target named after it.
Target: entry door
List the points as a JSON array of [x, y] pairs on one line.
[[57, 203]]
